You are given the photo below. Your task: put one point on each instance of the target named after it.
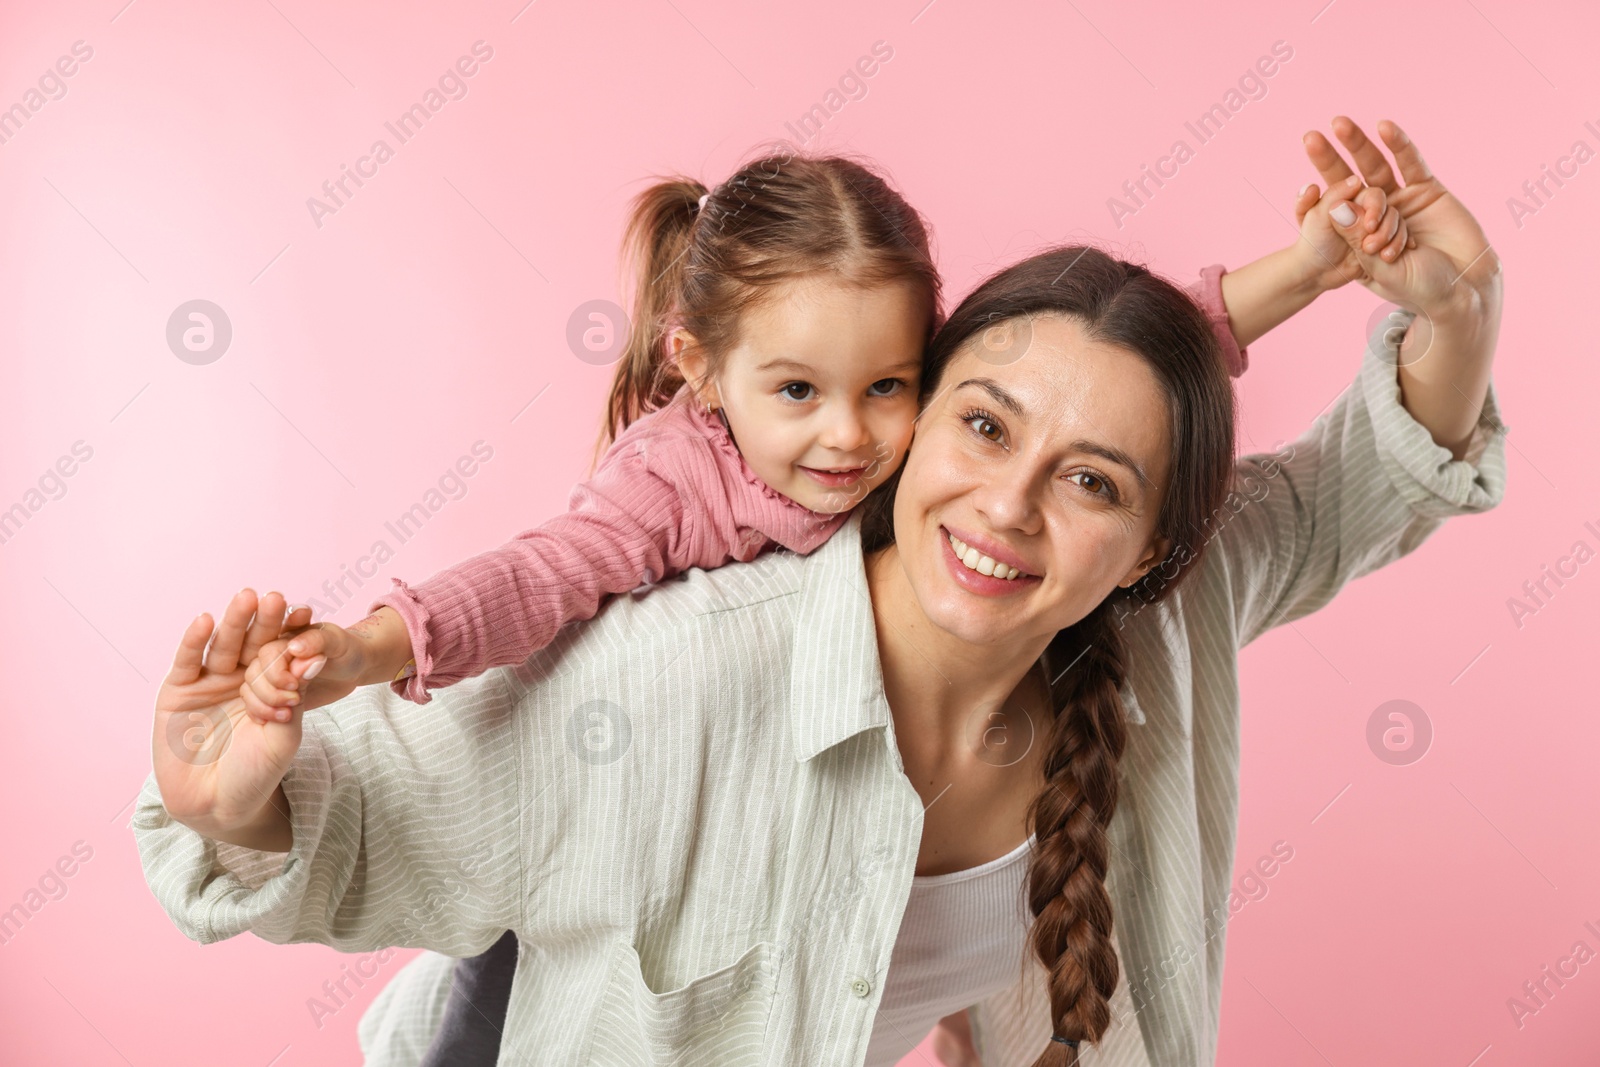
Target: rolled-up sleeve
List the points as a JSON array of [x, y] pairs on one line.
[[1365, 485], [405, 828]]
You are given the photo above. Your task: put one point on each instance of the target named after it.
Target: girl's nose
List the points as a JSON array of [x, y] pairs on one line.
[[845, 431]]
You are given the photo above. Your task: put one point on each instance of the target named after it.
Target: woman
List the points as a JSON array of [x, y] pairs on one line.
[[705, 810]]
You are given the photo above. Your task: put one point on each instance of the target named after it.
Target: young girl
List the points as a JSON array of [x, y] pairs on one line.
[[769, 383]]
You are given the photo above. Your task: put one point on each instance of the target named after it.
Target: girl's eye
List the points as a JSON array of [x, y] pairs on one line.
[[889, 386], [797, 390]]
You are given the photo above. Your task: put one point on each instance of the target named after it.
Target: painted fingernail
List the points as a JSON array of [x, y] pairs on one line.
[[297, 647], [1303, 189], [292, 608], [1343, 215], [315, 668]]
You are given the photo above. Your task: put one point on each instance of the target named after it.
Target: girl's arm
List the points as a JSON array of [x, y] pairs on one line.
[[1246, 303], [624, 529], [1267, 292], [672, 493]]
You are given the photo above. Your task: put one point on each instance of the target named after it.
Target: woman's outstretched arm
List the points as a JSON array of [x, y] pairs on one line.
[[1379, 471]]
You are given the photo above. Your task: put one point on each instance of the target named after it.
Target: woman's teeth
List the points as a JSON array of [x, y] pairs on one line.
[[977, 561]]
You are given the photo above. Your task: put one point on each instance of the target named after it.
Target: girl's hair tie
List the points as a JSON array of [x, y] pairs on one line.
[[1069, 1042], [702, 205]]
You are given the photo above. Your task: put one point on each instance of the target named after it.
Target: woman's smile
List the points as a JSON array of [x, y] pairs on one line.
[[984, 574]]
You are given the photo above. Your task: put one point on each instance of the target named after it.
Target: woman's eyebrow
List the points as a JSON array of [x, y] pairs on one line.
[[1112, 455], [998, 392], [1109, 453]]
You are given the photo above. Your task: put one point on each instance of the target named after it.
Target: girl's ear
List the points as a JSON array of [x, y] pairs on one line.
[[690, 360]]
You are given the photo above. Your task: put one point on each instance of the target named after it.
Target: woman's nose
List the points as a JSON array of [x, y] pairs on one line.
[[1007, 501]]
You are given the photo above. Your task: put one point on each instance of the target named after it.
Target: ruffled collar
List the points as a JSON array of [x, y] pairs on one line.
[[714, 426]]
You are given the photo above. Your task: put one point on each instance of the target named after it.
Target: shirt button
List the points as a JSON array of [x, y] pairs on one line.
[[860, 986]]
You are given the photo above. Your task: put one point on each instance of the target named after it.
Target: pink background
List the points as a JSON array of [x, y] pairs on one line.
[[178, 164]]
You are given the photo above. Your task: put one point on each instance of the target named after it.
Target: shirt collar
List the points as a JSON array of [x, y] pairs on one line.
[[836, 680]]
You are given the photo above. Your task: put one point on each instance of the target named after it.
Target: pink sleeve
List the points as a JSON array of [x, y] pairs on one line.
[[660, 502], [501, 606], [1207, 292]]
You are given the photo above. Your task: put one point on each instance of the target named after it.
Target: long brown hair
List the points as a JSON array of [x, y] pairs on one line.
[[1122, 304], [777, 218]]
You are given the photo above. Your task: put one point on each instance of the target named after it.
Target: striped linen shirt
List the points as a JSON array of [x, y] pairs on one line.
[[693, 812]]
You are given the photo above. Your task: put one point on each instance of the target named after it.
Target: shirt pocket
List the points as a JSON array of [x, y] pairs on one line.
[[718, 1018]]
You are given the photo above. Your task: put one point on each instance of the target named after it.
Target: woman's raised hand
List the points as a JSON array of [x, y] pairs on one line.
[[1450, 263], [218, 769]]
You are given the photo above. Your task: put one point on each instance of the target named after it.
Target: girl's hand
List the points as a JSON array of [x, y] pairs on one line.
[[1451, 264], [218, 769], [1327, 256], [305, 667], [1268, 291]]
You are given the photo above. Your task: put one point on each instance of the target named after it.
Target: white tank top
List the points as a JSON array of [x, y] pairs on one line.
[[963, 937]]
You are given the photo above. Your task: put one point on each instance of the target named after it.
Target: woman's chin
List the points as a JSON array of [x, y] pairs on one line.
[[974, 620]]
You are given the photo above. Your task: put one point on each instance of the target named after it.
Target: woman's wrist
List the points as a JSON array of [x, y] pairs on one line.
[[268, 829], [1468, 308]]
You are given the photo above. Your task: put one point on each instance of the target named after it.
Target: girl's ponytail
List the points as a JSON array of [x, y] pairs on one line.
[[655, 247]]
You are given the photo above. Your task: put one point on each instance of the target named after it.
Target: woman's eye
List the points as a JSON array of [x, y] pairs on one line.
[[797, 390], [984, 427], [1105, 488], [888, 386]]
